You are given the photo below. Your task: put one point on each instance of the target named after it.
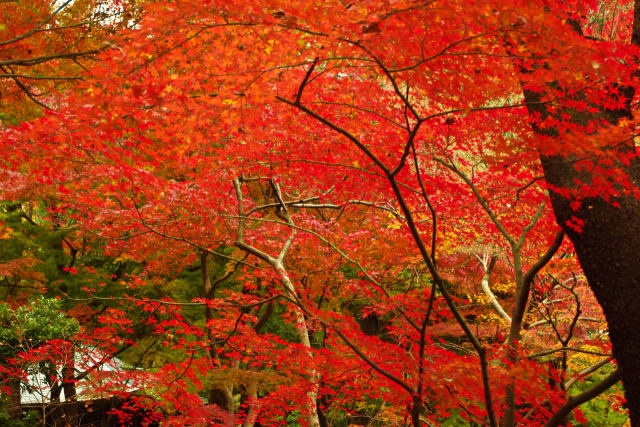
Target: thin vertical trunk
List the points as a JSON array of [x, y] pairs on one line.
[[69, 386], [254, 404], [277, 264], [218, 395], [303, 335], [14, 404]]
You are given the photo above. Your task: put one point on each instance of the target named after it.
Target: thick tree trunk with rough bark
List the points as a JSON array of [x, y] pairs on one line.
[[607, 246], [609, 252]]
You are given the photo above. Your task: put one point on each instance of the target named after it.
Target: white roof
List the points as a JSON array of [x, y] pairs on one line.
[[37, 390]]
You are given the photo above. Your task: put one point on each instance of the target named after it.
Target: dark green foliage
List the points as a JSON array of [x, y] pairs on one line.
[[32, 325]]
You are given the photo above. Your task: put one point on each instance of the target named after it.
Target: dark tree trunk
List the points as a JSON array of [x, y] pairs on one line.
[[68, 382], [608, 246], [14, 405], [218, 395], [609, 252], [69, 387]]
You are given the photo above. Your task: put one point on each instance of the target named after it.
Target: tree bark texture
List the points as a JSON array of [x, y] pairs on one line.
[[607, 246]]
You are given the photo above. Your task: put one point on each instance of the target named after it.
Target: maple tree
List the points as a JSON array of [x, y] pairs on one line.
[[364, 190], [45, 45]]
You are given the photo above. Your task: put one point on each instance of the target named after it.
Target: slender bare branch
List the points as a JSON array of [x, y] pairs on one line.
[[488, 264], [305, 81], [573, 402], [530, 225], [28, 77], [483, 202], [573, 349], [37, 27], [434, 219], [586, 371], [340, 130], [41, 59]]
